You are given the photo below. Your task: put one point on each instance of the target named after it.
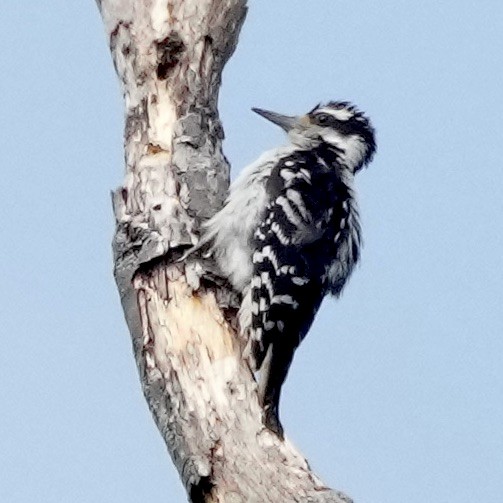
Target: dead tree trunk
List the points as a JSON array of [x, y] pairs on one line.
[[169, 56]]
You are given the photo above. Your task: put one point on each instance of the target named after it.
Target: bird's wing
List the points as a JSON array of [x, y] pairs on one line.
[[287, 287]]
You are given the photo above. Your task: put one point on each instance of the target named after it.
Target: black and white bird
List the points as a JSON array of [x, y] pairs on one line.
[[289, 234]]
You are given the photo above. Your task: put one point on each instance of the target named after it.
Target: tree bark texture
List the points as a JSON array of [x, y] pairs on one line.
[[169, 56]]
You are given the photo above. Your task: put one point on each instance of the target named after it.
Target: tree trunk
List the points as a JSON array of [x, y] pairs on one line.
[[169, 56]]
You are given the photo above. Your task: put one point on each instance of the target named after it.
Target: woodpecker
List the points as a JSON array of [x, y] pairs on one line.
[[289, 234]]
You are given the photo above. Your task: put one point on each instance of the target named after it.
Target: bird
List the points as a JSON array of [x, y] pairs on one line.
[[289, 234]]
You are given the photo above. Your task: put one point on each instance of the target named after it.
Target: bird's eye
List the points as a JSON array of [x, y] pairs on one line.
[[323, 119]]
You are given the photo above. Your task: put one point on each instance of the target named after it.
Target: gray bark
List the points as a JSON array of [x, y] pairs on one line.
[[169, 56]]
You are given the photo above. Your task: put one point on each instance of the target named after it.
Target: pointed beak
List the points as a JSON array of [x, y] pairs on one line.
[[285, 122]]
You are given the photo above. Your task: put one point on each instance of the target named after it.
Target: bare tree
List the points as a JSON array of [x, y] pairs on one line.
[[169, 56]]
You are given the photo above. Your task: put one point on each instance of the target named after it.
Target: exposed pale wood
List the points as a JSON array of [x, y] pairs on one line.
[[169, 55]]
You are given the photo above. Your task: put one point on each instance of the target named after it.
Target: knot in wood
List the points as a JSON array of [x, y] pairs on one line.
[[169, 53]]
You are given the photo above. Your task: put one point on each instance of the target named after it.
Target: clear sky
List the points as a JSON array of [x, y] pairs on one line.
[[397, 393]]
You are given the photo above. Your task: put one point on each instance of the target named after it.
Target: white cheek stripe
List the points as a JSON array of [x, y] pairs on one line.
[[353, 147]]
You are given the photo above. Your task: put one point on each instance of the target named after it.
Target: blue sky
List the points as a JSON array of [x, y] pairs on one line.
[[397, 393]]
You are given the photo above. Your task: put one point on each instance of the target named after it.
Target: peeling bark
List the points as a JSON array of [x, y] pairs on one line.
[[169, 56]]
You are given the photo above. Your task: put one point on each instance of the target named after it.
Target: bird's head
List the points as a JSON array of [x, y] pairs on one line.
[[338, 124]]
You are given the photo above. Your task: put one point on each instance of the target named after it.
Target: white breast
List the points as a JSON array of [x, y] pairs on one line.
[[232, 228]]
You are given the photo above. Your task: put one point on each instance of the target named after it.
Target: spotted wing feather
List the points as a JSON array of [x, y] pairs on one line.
[[294, 244]]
